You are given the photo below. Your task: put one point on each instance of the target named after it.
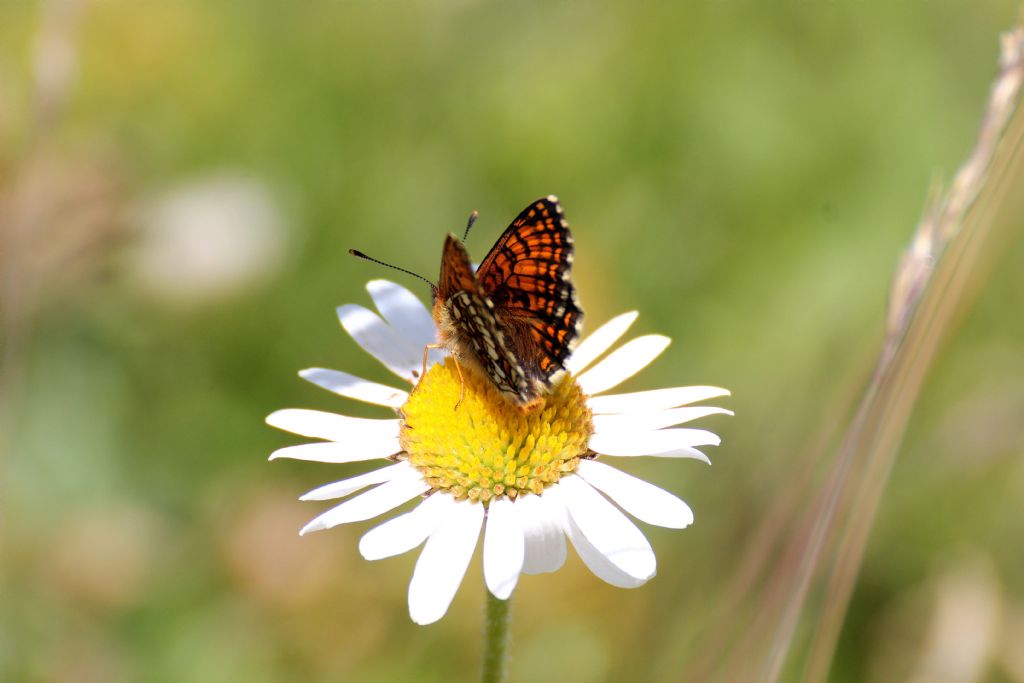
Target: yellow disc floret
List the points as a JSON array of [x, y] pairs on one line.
[[486, 446]]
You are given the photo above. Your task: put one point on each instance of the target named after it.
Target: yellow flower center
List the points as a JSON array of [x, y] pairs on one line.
[[488, 446]]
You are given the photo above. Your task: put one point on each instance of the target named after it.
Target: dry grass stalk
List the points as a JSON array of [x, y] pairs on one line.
[[931, 288], [927, 291], [26, 202], [938, 273]]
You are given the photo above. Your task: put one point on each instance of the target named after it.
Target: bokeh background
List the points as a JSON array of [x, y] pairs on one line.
[[179, 184]]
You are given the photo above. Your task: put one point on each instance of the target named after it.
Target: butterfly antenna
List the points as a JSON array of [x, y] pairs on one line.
[[356, 252], [469, 224]]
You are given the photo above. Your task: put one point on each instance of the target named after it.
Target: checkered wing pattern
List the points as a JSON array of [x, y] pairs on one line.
[[528, 277], [518, 316]]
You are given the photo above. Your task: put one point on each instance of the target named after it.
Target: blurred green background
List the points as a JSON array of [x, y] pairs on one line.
[[180, 181]]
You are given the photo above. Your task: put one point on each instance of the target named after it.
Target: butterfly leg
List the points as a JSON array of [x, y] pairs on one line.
[[458, 367], [462, 385], [426, 350]]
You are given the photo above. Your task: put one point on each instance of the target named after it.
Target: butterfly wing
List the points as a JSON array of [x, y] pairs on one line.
[[456, 270], [528, 277], [468, 323]]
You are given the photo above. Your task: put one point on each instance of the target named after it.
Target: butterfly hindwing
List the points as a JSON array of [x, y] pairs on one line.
[[481, 333], [471, 326]]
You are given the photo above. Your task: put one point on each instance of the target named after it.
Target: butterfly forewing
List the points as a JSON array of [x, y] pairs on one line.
[[518, 315], [456, 271], [528, 276]]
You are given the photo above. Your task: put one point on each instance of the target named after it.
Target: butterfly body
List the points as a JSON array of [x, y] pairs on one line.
[[516, 318]]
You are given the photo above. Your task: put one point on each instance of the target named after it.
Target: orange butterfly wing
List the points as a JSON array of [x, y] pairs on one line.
[[517, 317], [528, 276]]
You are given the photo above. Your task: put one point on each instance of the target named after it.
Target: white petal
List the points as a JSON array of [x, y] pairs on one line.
[[337, 453], [596, 562], [643, 500], [608, 530], [651, 420], [653, 441], [622, 363], [340, 489], [542, 520], [664, 443], [351, 386], [317, 424], [443, 562], [503, 549], [656, 399], [403, 311], [405, 532], [600, 341], [398, 354], [374, 502]]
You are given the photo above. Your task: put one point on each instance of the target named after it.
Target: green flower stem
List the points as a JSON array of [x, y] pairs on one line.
[[495, 640]]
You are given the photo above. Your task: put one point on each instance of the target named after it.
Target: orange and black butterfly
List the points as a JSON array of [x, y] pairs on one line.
[[517, 317]]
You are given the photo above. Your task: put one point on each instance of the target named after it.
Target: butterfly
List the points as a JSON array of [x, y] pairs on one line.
[[517, 317]]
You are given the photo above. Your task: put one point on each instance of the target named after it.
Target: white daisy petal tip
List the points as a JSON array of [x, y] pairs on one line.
[[443, 562], [641, 499], [350, 386], [403, 311], [504, 549], [347, 310], [599, 341], [699, 455], [274, 418], [628, 317], [388, 345], [606, 540], [310, 528], [622, 363], [660, 443]]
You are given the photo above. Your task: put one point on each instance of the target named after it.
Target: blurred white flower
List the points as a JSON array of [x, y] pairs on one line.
[[531, 479], [209, 238]]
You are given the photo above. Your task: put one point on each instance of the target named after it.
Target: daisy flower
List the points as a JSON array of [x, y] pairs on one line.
[[530, 480]]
